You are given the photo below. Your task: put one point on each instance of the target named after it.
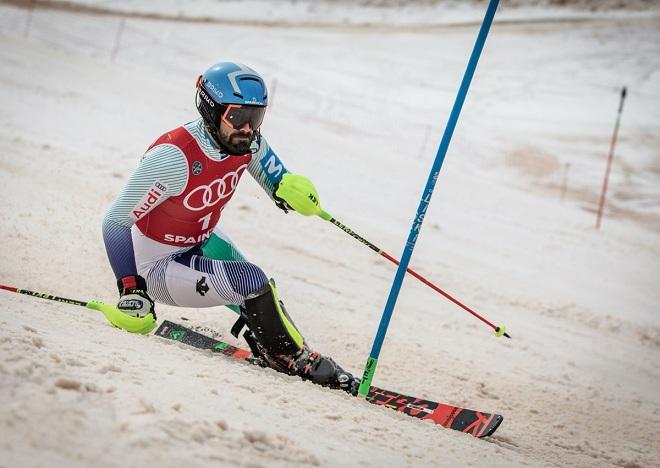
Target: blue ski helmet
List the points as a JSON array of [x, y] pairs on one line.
[[228, 83]]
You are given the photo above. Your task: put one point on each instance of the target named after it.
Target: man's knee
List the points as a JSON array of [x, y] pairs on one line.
[[245, 277]]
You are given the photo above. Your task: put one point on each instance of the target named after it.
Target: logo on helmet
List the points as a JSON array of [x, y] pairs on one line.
[[206, 98], [213, 88]]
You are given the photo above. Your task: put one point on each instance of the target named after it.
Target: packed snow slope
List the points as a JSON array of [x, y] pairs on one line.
[[359, 110]]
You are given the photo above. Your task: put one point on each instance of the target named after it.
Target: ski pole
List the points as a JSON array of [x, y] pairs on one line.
[[601, 203], [499, 330], [372, 361], [116, 317]]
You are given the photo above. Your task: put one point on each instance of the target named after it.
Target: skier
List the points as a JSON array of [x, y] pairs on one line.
[[162, 236]]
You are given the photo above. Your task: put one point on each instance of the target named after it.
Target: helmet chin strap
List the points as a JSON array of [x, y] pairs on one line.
[[257, 138]]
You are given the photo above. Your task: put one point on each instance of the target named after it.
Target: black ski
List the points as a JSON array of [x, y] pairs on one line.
[[465, 420]]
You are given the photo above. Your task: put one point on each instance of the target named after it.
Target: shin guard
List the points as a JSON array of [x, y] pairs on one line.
[[271, 325]]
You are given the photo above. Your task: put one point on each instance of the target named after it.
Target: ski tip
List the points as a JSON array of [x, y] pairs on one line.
[[492, 426]]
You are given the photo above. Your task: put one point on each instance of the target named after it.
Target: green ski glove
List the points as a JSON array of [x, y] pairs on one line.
[[298, 192]]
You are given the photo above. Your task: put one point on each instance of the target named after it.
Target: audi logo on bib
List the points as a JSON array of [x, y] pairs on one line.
[[206, 196]]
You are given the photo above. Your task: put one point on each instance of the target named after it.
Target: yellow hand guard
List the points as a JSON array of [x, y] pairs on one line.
[[299, 193]]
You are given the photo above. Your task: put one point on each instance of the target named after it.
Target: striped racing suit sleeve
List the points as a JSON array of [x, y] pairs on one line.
[[163, 164], [266, 167]]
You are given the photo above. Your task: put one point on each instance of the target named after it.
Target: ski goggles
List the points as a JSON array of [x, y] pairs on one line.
[[237, 115]]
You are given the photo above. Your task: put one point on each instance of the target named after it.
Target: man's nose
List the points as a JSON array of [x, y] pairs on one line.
[[246, 127]]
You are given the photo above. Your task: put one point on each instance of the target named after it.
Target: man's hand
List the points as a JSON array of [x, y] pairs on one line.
[[134, 299], [297, 192]]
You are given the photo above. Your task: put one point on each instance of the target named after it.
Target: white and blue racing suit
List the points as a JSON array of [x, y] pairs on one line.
[[203, 274]]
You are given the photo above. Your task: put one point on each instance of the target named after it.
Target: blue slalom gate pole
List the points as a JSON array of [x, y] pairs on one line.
[[372, 361]]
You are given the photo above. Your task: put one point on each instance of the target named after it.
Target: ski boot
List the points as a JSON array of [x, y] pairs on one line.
[[276, 342], [310, 365]]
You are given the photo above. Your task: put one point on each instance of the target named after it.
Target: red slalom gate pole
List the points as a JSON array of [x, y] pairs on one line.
[[601, 204]]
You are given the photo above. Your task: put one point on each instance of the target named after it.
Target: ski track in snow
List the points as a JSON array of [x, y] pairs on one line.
[[578, 383]]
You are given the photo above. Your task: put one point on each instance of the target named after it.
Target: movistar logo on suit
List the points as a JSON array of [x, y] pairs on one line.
[[273, 167]]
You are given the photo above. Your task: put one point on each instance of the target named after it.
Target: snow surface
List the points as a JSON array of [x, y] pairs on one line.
[[359, 110]]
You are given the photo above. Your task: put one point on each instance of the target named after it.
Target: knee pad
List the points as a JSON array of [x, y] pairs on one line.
[[271, 325]]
